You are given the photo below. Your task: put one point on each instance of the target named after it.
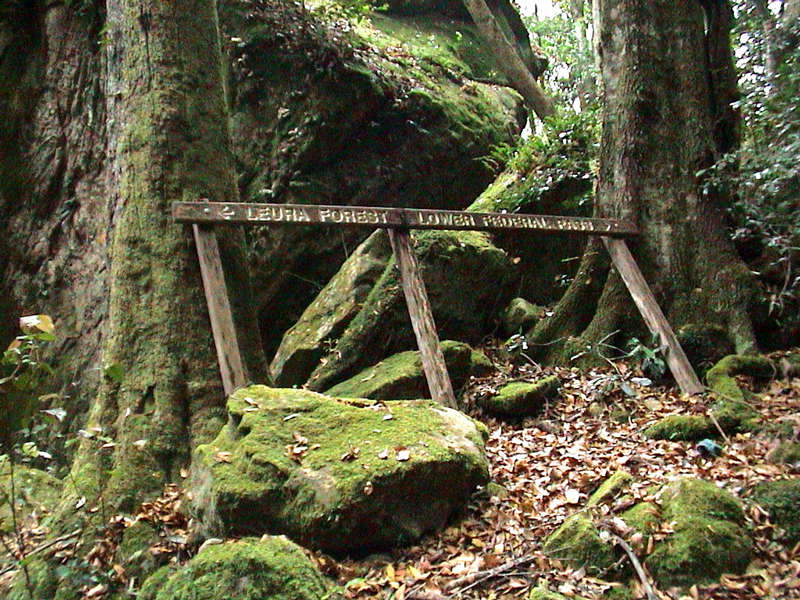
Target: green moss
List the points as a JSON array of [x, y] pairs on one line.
[[544, 593], [611, 488], [320, 499], [521, 398], [155, 582], [519, 316], [643, 517], [34, 490], [709, 537], [731, 408], [249, 569], [133, 550], [781, 499], [577, 542], [382, 326], [785, 452], [401, 376], [685, 428]]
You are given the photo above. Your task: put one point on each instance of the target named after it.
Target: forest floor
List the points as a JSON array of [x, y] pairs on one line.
[[546, 468], [550, 465]]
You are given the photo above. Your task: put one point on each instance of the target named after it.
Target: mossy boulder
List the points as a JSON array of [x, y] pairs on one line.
[[611, 488], [34, 489], [519, 316], [329, 114], [685, 428], [781, 499], [467, 279], [521, 398], [579, 543], [731, 408], [323, 321], [341, 476], [400, 377], [542, 592], [709, 536], [270, 568]]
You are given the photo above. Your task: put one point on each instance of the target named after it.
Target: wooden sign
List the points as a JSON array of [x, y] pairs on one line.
[[398, 221], [389, 218]]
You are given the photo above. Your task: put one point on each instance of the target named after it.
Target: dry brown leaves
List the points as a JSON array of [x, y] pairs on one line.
[[550, 465]]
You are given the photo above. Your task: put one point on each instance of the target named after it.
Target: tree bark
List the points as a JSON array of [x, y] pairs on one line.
[[510, 61], [168, 141], [668, 82]]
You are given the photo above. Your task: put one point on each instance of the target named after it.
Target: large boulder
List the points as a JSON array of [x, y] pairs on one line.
[[467, 279], [392, 110], [324, 320], [401, 377], [270, 568], [338, 475]]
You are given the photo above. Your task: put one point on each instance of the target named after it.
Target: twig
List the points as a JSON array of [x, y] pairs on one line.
[[43, 547], [464, 583], [637, 567]]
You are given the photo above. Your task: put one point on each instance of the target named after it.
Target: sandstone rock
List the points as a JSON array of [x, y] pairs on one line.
[[341, 476]]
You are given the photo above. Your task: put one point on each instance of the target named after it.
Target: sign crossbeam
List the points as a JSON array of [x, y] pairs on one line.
[[391, 218], [399, 221]]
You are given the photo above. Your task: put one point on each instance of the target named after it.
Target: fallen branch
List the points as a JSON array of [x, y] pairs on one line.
[[42, 548], [463, 583], [637, 566]]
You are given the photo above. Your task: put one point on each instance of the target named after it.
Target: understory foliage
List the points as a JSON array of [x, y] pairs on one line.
[[763, 174]]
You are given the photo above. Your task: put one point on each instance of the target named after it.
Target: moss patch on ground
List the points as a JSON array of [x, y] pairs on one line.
[[333, 474], [249, 569], [781, 499], [34, 489], [401, 377]]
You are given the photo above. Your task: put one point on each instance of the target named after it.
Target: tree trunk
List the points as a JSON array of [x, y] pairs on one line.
[[509, 59], [668, 82], [168, 141]]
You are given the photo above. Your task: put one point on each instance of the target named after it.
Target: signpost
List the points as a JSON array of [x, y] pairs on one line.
[[399, 221]]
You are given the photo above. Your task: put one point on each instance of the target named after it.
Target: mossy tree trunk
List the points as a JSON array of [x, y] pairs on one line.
[[668, 83], [168, 141]]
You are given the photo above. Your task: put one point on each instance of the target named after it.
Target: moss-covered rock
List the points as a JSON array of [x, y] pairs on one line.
[[304, 344], [270, 568], [578, 542], [781, 499], [467, 279], [400, 377], [731, 408], [34, 489], [519, 316], [709, 535], [342, 476], [521, 398], [542, 592], [685, 428], [330, 115], [611, 488]]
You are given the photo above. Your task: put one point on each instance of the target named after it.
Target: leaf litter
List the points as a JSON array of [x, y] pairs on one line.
[[545, 468]]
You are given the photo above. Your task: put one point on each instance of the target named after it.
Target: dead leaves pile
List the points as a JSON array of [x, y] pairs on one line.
[[548, 467]]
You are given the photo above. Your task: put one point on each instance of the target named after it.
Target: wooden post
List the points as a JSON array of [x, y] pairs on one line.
[[419, 308], [651, 313], [219, 310]]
